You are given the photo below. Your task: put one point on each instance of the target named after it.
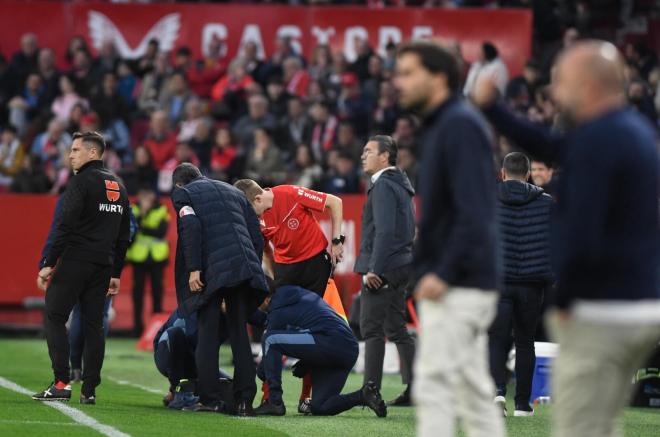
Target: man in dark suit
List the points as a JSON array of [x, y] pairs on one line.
[[385, 258], [218, 258]]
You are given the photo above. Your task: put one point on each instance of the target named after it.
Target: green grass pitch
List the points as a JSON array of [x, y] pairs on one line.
[[136, 410]]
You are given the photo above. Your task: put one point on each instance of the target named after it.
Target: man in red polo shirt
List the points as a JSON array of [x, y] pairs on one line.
[[286, 214]]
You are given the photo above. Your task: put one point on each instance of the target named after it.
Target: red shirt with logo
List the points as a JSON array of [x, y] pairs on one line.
[[291, 226]]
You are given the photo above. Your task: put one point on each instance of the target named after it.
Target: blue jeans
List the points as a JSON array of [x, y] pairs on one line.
[[76, 339]]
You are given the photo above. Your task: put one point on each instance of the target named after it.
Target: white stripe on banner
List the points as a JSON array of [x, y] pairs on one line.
[[73, 413]]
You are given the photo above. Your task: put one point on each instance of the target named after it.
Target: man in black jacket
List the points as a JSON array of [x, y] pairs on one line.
[[90, 244], [524, 225], [218, 258], [455, 253], [384, 260]]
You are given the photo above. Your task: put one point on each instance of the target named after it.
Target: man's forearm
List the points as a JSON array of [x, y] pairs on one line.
[[268, 261], [334, 204]]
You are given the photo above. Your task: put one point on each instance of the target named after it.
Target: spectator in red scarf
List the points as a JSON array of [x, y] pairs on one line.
[[295, 77], [323, 131]]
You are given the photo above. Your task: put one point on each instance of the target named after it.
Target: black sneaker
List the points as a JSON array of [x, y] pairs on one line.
[[52, 393], [305, 406], [244, 409], [270, 409], [76, 375], [523, 411], [88, 400], [403, 400], [373, 400]]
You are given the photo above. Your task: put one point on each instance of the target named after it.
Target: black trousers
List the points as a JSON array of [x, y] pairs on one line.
[[330, 363], [312, 274], [519, 309], [383, 314], [155, 272], [86, 283], [240, 303], [174, 358]]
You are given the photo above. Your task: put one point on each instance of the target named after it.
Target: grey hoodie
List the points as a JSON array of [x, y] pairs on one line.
[[388, 225]]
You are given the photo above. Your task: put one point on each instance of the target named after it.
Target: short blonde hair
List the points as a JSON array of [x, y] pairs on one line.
[[250, 188]]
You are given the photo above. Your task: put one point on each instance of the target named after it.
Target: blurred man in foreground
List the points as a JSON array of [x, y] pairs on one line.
[[606, 245]]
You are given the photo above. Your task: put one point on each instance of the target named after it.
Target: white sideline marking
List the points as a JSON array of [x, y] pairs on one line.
[[132, 384], [73, 413], [39, 422]]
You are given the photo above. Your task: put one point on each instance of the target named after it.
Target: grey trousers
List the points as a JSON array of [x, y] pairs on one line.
[[383, 314]]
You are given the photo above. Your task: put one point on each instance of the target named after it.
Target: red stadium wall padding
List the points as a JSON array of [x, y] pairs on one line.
[[24, 224], [130, 26]]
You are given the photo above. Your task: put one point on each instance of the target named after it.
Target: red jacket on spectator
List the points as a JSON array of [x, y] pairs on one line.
[[161, 150], [202, 80], [226, 84], [221, 159]]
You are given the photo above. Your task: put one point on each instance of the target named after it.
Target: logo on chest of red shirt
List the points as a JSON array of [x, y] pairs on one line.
[[293, 223], [112, 190]]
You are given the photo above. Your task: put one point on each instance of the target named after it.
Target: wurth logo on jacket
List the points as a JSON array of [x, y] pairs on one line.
[[112, 190]]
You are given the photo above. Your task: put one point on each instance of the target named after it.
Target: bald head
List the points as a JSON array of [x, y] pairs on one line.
[[598, 62], [589, 79]]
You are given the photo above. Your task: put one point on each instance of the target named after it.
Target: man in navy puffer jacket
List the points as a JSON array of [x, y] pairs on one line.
[[218, 258], [524, 228]]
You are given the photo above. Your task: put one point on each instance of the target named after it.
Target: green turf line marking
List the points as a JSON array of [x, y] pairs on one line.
[[73, 413]]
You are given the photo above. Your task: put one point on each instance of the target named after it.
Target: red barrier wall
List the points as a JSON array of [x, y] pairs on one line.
[[24, 224], [130, 26]]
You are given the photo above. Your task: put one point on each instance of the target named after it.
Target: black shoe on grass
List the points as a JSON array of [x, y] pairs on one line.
[[88, 400], [53, 393], [373, 400], [270, 409]]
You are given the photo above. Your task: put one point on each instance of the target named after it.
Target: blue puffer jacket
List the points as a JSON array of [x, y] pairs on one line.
[[294, 308], [177, 320], [524, 224], [219, 234]]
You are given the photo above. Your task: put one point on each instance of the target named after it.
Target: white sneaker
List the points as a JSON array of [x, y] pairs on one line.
[[523, 413], [500, 402]]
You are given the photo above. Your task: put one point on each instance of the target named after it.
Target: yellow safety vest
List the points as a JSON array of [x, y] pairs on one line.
[[145, 245]]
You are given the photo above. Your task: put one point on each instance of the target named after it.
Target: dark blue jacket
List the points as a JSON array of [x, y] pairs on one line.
[[388, 225], [457, 232], [605, 236], [219, 234], [524, 224], [294, 308], [178, 320]]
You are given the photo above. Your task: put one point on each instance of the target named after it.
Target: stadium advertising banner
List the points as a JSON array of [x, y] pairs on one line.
[[131, 26], [22, 241]]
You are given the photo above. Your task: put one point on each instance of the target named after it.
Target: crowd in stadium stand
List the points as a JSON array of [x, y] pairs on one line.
[[283, 119]]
